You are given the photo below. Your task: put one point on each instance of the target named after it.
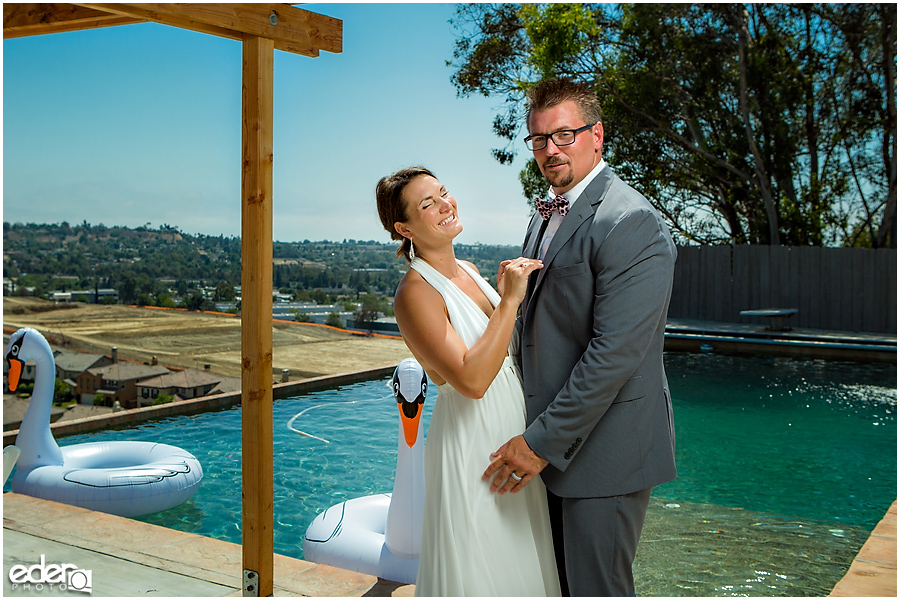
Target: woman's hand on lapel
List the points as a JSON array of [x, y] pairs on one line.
[[512, 277]]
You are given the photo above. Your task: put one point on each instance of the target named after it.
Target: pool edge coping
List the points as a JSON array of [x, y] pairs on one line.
[[873, 573]]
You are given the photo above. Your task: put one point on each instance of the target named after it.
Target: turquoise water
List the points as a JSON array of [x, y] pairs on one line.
[[773, 454], [814, 439]]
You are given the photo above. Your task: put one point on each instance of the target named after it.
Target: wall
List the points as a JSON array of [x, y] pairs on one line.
[[842, 289]]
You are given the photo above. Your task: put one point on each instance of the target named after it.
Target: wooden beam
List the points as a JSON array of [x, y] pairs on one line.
[[256, 312], [294, 30], [20, 20]]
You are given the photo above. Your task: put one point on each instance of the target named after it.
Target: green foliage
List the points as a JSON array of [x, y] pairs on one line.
[[163, 399], [334, 320], [99, 400], [370, 307], [144, 299], [759, 123], [225, 292], [533, 183], [61, 391], [559, 33], [164, 300], [300, 317], [197, 301]]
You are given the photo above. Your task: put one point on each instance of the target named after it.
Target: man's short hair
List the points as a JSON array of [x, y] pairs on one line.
[[551, 92]]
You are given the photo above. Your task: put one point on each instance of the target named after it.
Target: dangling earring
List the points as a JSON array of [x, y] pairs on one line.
[[412, 251]]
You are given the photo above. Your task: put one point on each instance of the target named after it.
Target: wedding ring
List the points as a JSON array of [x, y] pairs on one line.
[[516, 477]]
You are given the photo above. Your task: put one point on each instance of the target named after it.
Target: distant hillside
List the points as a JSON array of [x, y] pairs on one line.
[[144, 263]]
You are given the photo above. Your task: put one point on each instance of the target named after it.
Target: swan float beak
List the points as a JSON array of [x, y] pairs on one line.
[[16, 365], [411, 402]]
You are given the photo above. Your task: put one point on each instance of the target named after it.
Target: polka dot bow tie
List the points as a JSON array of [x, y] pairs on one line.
[[546, 207]]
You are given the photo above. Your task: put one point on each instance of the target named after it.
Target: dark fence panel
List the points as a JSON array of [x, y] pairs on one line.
[[843, 289]]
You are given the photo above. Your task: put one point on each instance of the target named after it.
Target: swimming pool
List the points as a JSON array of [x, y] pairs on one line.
[[784, 467]]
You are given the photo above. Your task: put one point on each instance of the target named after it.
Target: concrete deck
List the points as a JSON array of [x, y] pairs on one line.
[[874, 570], [695, 336], [131, 558]]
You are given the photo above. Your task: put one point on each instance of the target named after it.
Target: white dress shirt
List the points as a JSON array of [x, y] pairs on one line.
[[572, 196]]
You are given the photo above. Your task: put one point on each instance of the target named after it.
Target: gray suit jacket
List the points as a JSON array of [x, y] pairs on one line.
[[592, 325]]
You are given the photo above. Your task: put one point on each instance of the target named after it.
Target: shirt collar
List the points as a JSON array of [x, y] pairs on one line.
[[576, 191]]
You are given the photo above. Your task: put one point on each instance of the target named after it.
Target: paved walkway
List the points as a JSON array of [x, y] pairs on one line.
[[131, 558]]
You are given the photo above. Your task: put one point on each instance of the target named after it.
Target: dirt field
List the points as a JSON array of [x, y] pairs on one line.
[[189, 339]]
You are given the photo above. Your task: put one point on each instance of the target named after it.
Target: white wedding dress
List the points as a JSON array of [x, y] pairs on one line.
[[475, 543]]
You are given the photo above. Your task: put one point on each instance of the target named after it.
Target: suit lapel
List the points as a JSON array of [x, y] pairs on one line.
[[535, 228], [530, 249], [581, 211]]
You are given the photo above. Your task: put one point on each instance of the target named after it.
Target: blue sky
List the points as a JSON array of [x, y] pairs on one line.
[[141, 124]]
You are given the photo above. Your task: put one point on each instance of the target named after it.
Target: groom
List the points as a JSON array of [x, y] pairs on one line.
[[600, 429]]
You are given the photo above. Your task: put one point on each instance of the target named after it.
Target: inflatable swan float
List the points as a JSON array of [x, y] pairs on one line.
[[381, 535], [122, 478]]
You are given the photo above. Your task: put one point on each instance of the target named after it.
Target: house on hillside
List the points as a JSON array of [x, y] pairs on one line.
[[117, 381], [184, 385], [71, 364]]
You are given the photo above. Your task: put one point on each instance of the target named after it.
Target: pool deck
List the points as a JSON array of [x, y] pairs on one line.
[[708, 336], [131, 558], [874, 570]]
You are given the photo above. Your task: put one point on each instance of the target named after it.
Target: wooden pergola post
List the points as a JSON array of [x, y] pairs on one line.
[[256, 315]]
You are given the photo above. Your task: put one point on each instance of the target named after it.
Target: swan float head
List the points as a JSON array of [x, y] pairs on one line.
[[410, 386], [14, 362], [403, 527], [36, 443]]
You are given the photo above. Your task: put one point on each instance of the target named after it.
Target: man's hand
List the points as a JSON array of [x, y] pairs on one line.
[[515, 456]]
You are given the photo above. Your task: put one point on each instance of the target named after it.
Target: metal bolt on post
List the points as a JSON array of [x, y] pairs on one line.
[[251, 583]]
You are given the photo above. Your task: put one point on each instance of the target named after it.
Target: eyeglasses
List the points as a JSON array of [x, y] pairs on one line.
[[563, 137]]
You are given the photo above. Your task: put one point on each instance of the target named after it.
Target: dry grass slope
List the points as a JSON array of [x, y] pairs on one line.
[[191, 339]]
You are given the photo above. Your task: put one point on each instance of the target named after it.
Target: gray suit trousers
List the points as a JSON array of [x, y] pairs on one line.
[[596, 540]]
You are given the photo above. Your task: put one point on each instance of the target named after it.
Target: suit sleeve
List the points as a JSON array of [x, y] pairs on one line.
[[633, 270]]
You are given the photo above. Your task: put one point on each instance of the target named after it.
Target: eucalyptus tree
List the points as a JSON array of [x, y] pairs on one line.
[[757, 123]]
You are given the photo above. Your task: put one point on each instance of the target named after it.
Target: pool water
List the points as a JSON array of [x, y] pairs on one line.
[[810, 438], [784, 467]]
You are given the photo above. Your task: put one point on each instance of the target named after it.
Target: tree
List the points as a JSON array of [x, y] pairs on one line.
[[370, 307], [164, 300], [759, 123], [196, 301], [300, 317], [127, 290], [144, 299], [61, 391], [334, 320]]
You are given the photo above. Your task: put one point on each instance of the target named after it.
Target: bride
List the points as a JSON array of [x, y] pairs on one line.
[[474, 543]]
